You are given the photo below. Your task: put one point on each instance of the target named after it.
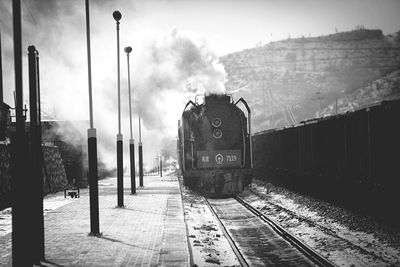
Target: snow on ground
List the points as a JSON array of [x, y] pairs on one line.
[[51, 202], [345, 238], [5, 222]]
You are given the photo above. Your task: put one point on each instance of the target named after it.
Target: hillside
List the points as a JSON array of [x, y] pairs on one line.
[[292, 80]]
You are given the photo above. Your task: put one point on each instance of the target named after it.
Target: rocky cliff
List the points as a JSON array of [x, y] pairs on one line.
[[292, 80]]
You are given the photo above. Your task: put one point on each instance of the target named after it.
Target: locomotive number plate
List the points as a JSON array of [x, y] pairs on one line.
[[219, 158]]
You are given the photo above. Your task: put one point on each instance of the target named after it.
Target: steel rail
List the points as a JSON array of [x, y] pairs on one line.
[[299, 245], [235, 249]]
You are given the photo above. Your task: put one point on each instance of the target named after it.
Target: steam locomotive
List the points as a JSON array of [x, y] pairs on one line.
[[214, 146]]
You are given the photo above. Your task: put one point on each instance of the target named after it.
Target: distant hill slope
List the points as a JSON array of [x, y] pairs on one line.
[[297, 79], [386, 88]]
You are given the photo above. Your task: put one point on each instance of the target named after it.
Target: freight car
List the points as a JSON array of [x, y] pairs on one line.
[[214, 146], [349, 158]]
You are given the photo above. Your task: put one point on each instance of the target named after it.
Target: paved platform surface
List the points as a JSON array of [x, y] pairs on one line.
[[149, 231]]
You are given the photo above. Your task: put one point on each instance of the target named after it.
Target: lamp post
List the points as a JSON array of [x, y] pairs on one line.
[[156, 166], [22, 253], [1, 73], [92, 144], [161, 165], [35, 155], [140, 155], [127, 50], [120, 175]]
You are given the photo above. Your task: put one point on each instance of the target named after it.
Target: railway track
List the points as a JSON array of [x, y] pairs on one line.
[[352, 247], [259, 241]]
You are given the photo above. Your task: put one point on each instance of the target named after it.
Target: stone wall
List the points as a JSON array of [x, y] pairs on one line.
[[5, 176], [54, 178], [53, 172]]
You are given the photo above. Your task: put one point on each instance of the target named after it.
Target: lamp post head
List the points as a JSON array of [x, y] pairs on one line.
[[117, 15], [128, 49]]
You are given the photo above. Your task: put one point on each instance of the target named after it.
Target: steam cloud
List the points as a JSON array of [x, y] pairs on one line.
[[167, 70], [175, 66]]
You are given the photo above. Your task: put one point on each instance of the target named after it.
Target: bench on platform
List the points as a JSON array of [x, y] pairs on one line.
[[72, 190]]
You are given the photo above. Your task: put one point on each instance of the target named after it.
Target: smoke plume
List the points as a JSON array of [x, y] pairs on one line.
[[167, 69]]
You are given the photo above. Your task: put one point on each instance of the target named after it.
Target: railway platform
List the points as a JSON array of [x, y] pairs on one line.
[[149, 230]]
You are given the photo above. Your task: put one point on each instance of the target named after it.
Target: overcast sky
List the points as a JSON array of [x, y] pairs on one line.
[[232, 25], [174, 42]]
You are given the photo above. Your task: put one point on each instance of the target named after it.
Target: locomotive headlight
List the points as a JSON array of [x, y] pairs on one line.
[[216, 122], [217, 133]]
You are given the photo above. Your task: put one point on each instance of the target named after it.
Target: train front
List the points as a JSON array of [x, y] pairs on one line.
[[215, 147]]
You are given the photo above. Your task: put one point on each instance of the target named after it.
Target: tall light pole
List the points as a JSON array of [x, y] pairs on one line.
[[140, 155], [160, 165], [92, 144], [35, 154], [127, 50], [120, 172], [1, 73], [22, 253]]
